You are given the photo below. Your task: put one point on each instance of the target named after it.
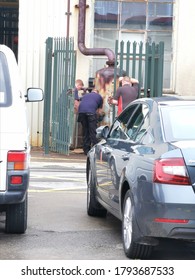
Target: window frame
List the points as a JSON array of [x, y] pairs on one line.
[[6, 81], [149, 34]]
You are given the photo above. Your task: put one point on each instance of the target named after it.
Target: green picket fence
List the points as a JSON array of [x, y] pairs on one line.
[[143, 62]]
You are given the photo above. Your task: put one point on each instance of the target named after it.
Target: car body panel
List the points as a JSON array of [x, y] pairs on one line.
[[14, 128], [134, 160], [13, 122]]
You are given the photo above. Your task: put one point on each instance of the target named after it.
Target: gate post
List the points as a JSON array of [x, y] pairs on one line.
[[154, 60], [47, 99], [160, 69]]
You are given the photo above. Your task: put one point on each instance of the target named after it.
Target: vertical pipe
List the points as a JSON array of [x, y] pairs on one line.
[[81, 38], [68, 20]]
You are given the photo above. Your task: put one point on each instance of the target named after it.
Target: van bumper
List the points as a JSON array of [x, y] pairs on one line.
[[15, 193]]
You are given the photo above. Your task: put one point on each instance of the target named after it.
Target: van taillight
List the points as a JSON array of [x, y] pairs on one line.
[[17, 160], [16, 180], [171, 171]]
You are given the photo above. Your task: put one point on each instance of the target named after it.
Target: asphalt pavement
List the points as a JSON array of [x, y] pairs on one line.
[[38, 154], [58, 225]]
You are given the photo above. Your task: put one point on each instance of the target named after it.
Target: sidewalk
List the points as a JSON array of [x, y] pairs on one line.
[[38, 154]]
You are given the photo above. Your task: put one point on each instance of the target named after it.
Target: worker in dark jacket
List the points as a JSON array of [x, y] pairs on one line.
[[90, 104], [125, 94]]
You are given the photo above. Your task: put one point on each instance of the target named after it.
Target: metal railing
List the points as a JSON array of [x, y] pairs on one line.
[[58, 121], [144, 62], [138, 60]]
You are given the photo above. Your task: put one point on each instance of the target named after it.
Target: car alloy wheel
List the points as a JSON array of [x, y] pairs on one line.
[[132, 248], [127, 223]]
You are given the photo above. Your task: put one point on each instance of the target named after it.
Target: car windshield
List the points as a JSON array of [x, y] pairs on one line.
[[178, 122], [5, 88]]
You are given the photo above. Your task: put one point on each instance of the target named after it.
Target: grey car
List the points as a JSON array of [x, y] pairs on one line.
[[143, 172]]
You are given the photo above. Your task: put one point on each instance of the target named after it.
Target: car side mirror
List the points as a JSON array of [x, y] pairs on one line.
[[34, 95], [102, 132]]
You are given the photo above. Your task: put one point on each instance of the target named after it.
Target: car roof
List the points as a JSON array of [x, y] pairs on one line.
[[171, 100]]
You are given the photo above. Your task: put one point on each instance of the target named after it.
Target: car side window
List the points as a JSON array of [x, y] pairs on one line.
[[139, 124], [148, 138], [5, 87], [117, 131], [127, 114], [119, 128]]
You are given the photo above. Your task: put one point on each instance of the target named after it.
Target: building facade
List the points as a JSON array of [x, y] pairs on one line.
[[170, 21]]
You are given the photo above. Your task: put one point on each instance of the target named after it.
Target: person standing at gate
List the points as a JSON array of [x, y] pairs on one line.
[[90, 104], [78, 86], [125, 94]]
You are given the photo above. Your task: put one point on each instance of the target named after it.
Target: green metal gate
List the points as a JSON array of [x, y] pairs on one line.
[[144, 62], [58, 120]]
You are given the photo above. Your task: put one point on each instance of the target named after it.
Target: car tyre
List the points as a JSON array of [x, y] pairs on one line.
[[133, 250], [93, 206], [16, 217]]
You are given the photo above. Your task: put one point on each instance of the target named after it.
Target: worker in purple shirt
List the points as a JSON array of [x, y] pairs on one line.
[[90, 104]]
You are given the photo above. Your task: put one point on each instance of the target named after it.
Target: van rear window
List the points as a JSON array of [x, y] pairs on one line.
[[5, 86]]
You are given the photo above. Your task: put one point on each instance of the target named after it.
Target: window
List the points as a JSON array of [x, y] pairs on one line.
[[119, 128], [133, 20], [139, 123], [118, 131], [5, 87], [133, 16], [178, 122], [106, 14], [160, 16], [131, 124], [9, 13], [127, 114]]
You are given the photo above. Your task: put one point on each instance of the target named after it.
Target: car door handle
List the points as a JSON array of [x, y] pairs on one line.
[[125, 156]]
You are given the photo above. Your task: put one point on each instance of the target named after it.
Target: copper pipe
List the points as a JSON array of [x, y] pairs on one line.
[[81, 38], [68, 13]]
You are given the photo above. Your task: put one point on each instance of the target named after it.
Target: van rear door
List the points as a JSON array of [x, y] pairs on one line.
[[5, 102]]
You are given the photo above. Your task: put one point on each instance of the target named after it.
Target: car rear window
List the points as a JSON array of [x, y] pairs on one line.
[[5, 86], [178, 122]]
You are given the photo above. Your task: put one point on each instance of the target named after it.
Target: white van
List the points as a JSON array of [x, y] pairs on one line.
[[14, 143]]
